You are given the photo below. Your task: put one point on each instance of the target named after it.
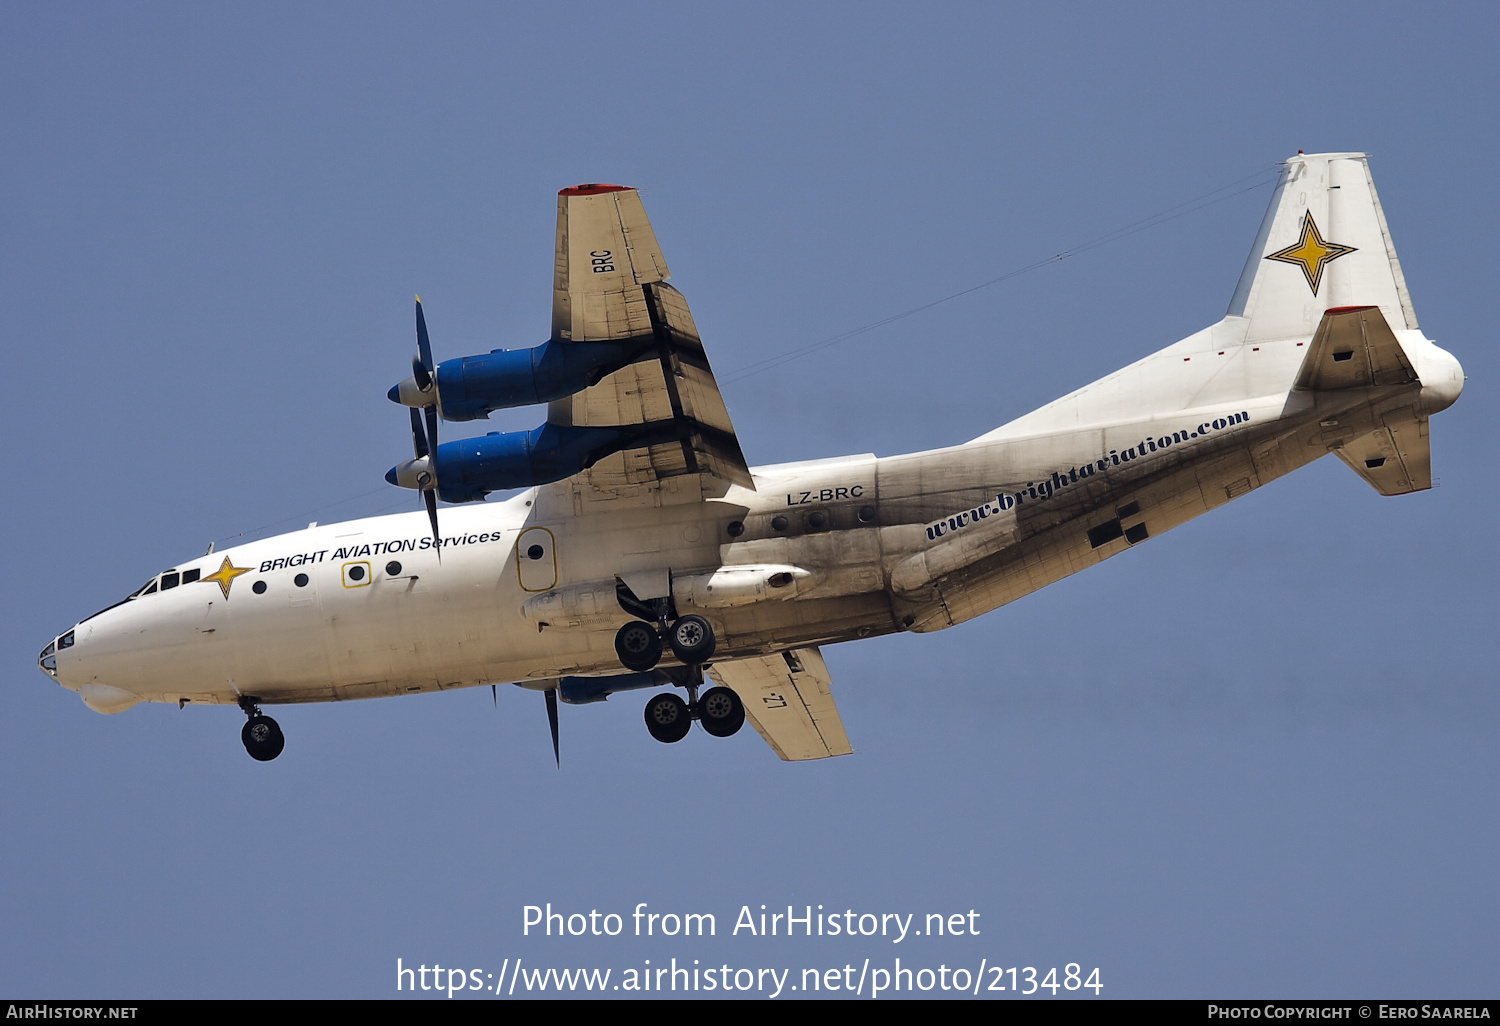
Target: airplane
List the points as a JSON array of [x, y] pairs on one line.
[[639, 550]]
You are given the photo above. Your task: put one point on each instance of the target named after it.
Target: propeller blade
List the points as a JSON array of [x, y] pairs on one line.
[[432, 445], [430, 497], [551, 694], [432, 422], [418, 439], [495, 701], [424, 348]]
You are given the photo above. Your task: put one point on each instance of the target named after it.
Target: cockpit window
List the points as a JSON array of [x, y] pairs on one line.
[[66, 641], [168, 580]]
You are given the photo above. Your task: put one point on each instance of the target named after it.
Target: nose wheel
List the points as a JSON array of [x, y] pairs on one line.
[[261, 734]]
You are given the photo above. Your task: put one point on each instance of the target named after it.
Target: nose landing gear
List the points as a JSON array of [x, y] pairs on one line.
[[261, 734]]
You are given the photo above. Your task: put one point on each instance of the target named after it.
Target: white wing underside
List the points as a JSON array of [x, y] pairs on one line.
[[788, 701]]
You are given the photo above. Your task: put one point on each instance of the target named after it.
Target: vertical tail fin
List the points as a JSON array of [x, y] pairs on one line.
[[1324, 243]]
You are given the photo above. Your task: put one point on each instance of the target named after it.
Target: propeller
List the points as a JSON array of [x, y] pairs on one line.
[[422, 369], [427, 479], [420, 472], [551, 694]]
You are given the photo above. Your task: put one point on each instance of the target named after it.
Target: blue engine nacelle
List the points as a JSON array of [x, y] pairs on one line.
[[474, 386], [583, 690], [469, 469]]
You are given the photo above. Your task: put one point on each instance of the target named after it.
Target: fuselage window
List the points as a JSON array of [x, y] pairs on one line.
[[169, 580], [259, 587], [300, 580]]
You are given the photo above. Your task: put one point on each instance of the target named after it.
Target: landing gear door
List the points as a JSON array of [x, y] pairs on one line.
[[536, 559]]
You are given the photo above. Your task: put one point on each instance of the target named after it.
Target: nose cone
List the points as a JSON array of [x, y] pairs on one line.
[[415, 473], [1442, 379], [407, 393]]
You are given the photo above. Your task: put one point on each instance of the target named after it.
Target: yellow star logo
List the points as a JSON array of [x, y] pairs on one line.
[[1310, 252], [225, 575]]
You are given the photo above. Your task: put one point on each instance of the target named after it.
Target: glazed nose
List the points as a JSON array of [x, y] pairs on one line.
[[48, 659]]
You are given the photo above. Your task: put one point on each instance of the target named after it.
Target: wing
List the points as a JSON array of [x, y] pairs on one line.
[[788, 703], [609, 285]]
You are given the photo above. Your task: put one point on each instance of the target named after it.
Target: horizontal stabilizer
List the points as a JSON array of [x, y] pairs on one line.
[[788, 703], [1395, 459], [1354, 347]]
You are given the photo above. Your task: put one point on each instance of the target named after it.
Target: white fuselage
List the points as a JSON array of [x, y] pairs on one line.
[[525, 588]]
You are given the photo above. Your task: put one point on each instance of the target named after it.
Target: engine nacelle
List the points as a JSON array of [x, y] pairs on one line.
[[471, 468], [583, 690], [472, 387]]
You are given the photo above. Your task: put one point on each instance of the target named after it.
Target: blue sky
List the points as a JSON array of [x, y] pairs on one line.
[[1252, 758]]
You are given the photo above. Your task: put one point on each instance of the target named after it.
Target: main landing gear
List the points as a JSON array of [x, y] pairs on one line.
[[639, 644], [261, 734], [669, 718], [691, 638]]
